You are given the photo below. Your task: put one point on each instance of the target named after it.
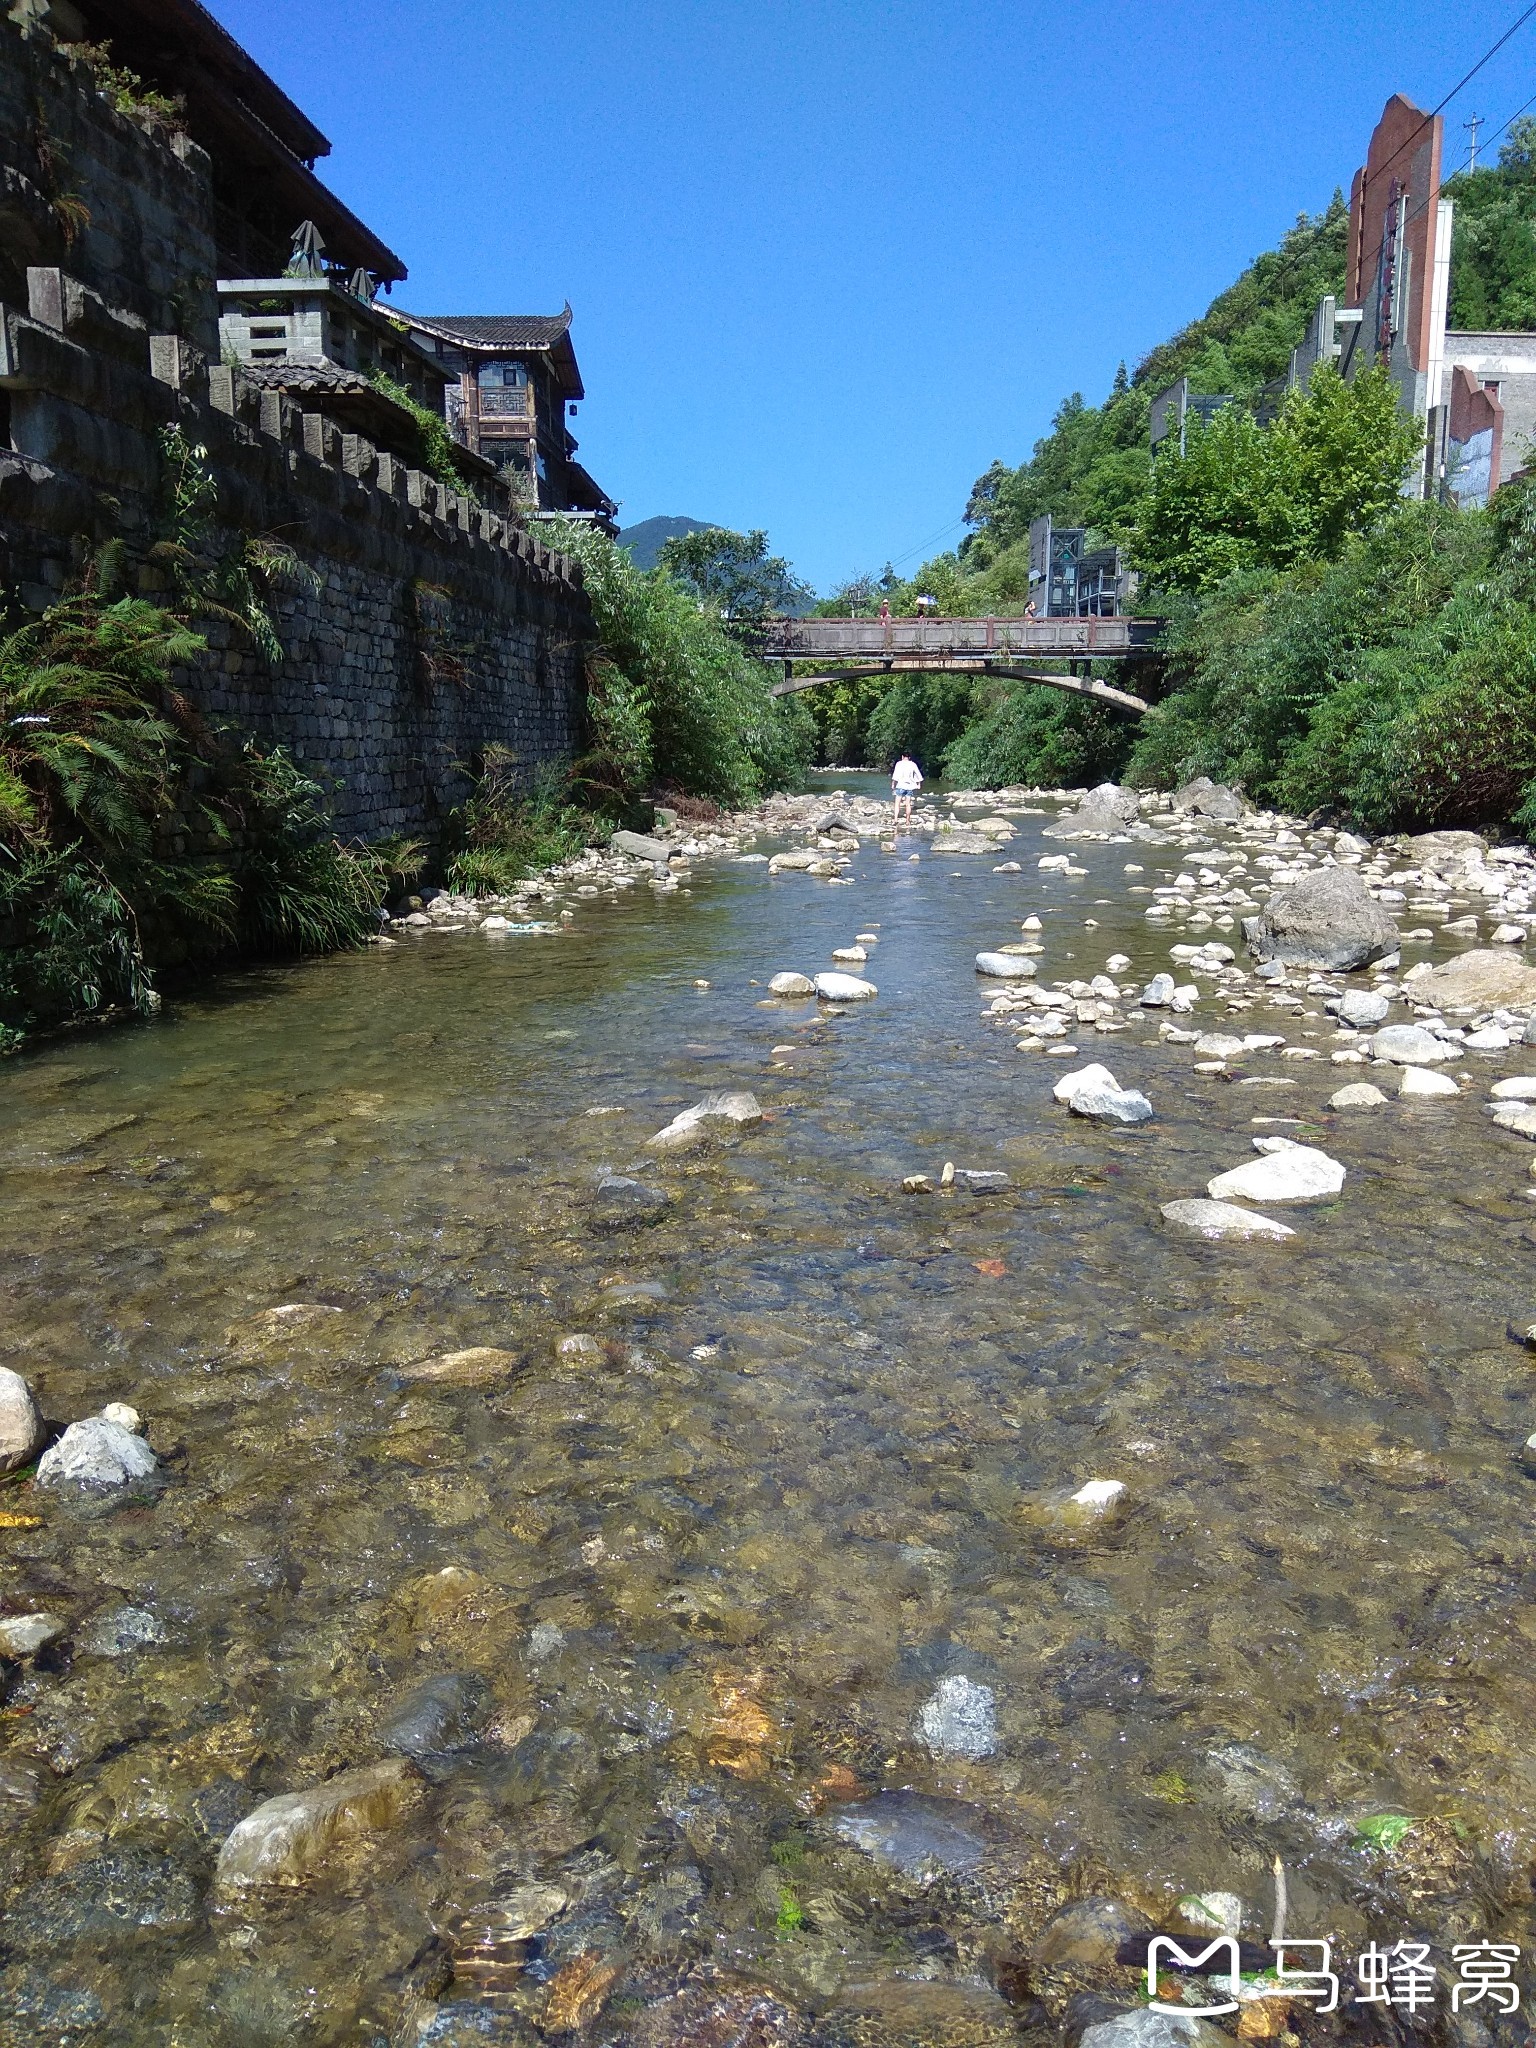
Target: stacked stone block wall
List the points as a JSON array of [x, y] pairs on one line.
[[426, 628]]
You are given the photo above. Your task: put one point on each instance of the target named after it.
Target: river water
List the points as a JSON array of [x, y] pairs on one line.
[[697, 1578]]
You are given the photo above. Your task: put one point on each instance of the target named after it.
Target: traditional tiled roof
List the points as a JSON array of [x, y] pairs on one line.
[[284, 373], [497, 330]]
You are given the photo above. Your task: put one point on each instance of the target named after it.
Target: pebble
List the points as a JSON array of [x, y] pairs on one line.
[[1423, 1081], [1357, 1095], [1158, 993], [1144, 2028], [97, 1454], [1362, 1008], [844, 988], [625, 1204], [959, 1719], [1005, 966], [1216, 1045], [854, 955], [1284, 1172], [442, 1714], [1223, 1220], [1088, 1933], [792, 985], [731, 1106]]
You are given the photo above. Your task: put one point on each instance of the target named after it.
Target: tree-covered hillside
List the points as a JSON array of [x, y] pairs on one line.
[[1092, 469], [1493, 248]]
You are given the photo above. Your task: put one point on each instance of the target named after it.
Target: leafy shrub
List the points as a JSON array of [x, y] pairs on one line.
[[510, 831], [1030, 734], [679, 700]]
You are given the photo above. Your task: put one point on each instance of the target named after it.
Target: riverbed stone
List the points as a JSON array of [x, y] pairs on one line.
[[913, 1833], [1087, 1934], [21, 1427], [1283, 1172], [1159, 992], [96, 1455], [480, 1365], [844, 988], [638, 847], [1363, 1008], [1410, 1045], [959, 1718], [1221, 1220], [1144, 2028], [1109, 808], [1357, 1095], [736, 1106], [1208, 799], [23, 1635], [1518, 1117], [1515, 1088], [1005, 966], [1325, 917], [289, 1838], [444, 1713], [791, 984], [622, 1203], [1479, 979], [1424, 1082], [1219, 1045]]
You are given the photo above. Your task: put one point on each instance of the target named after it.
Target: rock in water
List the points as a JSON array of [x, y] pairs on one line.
[[959, 1719], [1519, 1117], [638, 847], [96, 1454], [21, 1427], [1517, 1088], [1358, 1095], [1223, 1220], [1209, 799], [1089, 1932], [844, 988], [1111, 1105], [1005, 966], [1285, 1172], [1362, 1007], [1478, 980], [1159, 992], [728, 1106], [1324, 918], [791, 984], [1109, 808], [1147, 2029], [1424, 1081], [288, 1838], [440, 1715], [23, 1635], [625, 1204], [913, 1832], [1093, 1091], [1092, 1076], [1410, 1045]]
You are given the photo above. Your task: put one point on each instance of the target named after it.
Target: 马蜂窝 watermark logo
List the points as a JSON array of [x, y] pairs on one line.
[[1401, 1976]]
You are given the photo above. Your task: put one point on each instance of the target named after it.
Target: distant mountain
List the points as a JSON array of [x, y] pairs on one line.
[[644, 541]]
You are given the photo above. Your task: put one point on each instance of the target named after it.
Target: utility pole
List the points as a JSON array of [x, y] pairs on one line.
[[1472, 127]]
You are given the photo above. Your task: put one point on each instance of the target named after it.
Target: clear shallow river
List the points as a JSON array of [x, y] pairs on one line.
[[698, 1579]]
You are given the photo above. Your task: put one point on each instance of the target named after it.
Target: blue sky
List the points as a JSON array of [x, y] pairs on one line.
[[829, 257]]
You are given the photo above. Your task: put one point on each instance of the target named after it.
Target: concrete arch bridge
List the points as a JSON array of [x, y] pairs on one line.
[[1027, 650]]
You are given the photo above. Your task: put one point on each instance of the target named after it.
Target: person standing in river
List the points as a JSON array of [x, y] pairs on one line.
[[906, 781]]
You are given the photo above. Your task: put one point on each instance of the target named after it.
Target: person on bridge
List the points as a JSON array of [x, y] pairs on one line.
[[906, 781]]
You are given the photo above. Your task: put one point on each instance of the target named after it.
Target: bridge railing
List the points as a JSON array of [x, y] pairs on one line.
[[870, 639]]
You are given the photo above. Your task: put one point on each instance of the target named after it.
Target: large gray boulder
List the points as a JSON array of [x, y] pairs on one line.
[[1326, 918], [1207, 799], [1109, 808], [96, 1454]]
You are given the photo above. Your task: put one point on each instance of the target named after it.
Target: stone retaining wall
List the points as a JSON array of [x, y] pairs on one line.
[[427, 629]]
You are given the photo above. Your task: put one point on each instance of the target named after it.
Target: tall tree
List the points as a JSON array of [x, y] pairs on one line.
[[733, 575]]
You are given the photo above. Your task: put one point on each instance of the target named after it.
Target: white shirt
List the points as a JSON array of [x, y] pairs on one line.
[[907, 777]]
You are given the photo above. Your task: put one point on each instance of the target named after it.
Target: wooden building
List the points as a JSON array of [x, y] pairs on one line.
[[515, 385]]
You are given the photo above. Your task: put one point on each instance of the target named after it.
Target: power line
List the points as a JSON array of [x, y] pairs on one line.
[[1413, 136]]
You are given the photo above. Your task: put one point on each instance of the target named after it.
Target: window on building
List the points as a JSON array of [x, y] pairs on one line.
[[502, 376]]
